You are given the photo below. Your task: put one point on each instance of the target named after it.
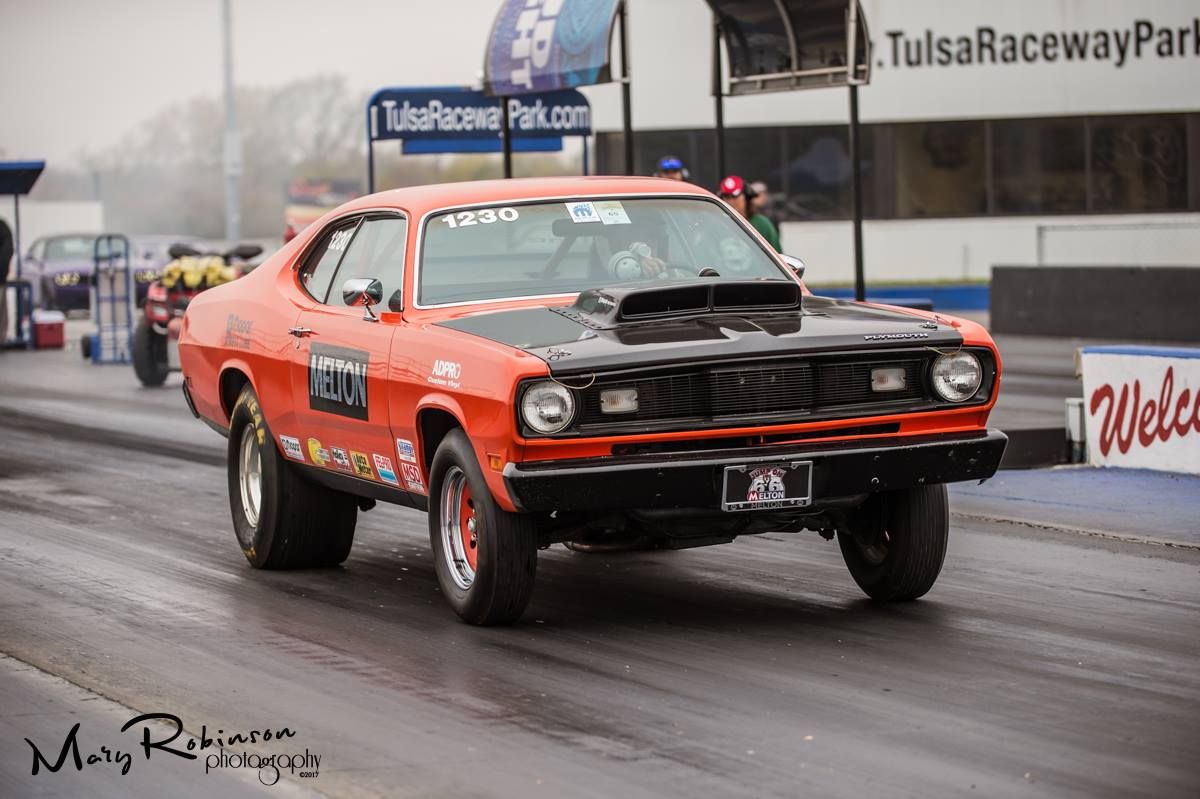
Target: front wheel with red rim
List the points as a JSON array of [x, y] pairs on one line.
[[460, 528], [485, 556]]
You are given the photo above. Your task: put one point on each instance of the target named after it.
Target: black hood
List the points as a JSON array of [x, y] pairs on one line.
[[571, 342]]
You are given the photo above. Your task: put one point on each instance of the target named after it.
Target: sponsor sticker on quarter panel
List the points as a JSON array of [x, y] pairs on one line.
[[412, 477], [405, 450], [341, 458], [386, 473], [362, 465], [319, 454], [582, 212], [291, 448], [337, 380], [611, 212], [445, 373]]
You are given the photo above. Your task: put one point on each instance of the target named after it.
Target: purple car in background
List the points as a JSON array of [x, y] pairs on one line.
[[60, 267]]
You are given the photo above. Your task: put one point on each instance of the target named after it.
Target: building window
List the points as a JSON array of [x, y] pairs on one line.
[[941, 169], [1139, 164], [1119, 164], [1039, 166], [818, 172]]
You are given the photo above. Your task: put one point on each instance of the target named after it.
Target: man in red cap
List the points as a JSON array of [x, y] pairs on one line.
[[735, 192]]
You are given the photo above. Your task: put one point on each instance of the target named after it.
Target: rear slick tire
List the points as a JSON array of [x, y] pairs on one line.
[[897, 546], [485, 556], [282, 520], [150, 354]]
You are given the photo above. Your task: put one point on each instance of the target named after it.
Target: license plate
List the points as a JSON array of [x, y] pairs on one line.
[[768, 486]]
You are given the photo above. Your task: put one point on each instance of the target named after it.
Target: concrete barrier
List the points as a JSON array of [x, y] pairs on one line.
[[1136, 303], [1142, 407]]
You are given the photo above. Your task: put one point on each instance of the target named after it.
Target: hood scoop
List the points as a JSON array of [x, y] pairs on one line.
[[608, 308]]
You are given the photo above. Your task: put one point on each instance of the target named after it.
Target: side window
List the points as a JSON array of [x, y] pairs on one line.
[[376, 252], [317, 272]]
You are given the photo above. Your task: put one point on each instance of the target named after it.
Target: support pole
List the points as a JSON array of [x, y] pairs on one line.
[[719, 99], [860, 288], [370, 165], [233, 144], [17, 233], [626, 96], [506, 137]]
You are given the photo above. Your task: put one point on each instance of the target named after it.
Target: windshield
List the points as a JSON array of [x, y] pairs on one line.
[[70, 248], [547, 248]]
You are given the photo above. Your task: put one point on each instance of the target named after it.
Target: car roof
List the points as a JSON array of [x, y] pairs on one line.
[[421, 199]]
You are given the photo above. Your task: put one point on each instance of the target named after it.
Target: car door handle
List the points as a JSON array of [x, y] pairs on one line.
[[300, 332]]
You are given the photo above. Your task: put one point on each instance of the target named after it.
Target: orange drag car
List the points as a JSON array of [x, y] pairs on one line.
[[608, 362]]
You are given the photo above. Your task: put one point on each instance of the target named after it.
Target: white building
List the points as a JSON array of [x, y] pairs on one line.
[[1016, 132]]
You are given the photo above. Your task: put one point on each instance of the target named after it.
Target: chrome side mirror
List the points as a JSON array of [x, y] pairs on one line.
[[795, 264], [365, 292]]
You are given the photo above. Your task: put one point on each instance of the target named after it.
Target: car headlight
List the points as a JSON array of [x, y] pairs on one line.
[[548, 407], [957, 376]]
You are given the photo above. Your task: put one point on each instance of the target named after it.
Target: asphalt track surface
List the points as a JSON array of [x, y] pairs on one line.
[[1042, 663]]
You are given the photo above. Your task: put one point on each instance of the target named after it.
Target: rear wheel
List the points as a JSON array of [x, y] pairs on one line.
[[150, 354], [897, 542], [485, 556], [282, 521]]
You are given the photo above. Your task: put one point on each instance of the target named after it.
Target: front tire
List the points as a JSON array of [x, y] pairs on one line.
[[485, 556], [897, 543], [282, 521], [150, 354]]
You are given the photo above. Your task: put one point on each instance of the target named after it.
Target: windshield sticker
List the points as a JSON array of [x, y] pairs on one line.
[[611, 212], [485, 216], [582, 212]]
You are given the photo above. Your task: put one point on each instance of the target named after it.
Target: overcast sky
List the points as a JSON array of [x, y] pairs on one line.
[[77, 74]]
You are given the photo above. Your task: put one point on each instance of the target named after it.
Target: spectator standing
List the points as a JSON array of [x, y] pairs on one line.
[[741, 197], [6, 254], [671, 168]]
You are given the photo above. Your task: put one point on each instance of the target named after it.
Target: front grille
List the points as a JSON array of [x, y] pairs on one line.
[[769, 391]]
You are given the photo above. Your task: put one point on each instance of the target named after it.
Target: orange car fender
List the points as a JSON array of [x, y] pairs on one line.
[[470, 378]]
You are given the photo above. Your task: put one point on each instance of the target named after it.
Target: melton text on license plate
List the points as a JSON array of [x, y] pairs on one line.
[[767, 486]]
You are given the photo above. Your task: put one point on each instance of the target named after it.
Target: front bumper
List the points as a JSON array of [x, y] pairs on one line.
[[694, 479]]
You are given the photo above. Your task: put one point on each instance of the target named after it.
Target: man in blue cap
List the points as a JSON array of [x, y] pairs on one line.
[[671, 168]]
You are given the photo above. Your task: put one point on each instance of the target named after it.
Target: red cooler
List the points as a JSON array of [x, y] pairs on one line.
[[49, 329]]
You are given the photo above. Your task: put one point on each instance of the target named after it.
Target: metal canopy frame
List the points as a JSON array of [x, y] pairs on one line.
[[739, 23], [17, 178]]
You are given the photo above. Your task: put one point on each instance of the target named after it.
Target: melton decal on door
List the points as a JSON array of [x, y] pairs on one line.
[[337, 380]]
